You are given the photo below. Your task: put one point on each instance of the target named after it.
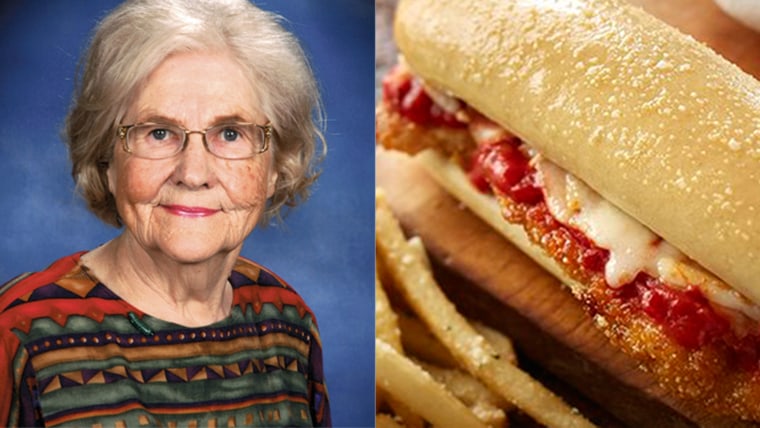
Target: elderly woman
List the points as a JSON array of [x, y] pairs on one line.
[[193, 122]]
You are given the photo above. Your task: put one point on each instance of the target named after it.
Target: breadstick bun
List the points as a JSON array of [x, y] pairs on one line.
[[654, 121]]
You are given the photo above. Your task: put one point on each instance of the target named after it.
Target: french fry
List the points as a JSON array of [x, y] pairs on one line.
[[486, 405], [420, 342], [437, 360], [384, 420], [418, 248], [403, 414], [409, 418], [477, 356], [387, 329], [407, 382], [386, 322], [501, 343]]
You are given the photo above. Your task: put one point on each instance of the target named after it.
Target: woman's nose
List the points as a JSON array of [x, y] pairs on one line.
[[195, 165]]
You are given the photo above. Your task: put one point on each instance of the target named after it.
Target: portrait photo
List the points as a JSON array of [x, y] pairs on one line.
[[188, 213]]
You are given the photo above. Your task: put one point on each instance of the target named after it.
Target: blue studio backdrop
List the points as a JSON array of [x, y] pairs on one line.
[[325, 249]]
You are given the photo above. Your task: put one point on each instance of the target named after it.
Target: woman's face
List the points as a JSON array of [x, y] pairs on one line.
[[194, 205]]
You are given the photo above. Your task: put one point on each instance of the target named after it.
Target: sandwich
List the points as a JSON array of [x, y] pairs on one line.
[[621, 155]]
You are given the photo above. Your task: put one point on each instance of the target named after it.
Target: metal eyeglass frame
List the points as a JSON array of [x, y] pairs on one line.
[[122, 131]]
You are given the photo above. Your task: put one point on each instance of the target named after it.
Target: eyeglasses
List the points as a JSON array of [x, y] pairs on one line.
[[228, 141]]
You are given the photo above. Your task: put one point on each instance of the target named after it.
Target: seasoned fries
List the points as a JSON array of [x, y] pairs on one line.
[[420, 342], [384, 420], [406, 381], [386, 322], [501, 343], [484, 353], [486, 405]]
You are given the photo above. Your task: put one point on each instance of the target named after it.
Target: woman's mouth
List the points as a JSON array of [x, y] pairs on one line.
[[185, 211]]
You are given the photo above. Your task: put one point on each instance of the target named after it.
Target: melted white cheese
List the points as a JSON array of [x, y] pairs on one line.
[[633, 248], [574, 204]]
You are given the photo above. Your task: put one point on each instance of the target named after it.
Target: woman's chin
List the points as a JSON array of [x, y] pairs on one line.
[[190, 240], [192, 251]]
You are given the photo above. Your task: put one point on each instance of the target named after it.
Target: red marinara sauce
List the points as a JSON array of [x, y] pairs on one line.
[[502, 165], [407, 95]]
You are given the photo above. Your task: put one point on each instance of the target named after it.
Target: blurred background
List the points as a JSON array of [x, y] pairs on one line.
[[325, 249]]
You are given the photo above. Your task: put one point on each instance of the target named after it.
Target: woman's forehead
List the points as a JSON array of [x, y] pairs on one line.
[[197, 87]]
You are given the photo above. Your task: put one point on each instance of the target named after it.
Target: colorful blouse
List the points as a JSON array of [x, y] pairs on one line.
[[73, 353]]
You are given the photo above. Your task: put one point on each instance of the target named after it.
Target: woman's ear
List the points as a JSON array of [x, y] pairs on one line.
[[271, 186], [111, 176]]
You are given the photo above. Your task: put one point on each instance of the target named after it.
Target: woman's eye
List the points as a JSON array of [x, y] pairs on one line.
[[159, 134], [230, 135]]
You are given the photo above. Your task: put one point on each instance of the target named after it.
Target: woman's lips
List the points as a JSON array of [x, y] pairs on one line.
[[185, 211]]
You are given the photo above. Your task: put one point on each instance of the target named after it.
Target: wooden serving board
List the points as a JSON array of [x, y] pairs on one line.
[[490, 279]]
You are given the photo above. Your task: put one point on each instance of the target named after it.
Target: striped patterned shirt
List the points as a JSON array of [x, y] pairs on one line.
[[73, 353]]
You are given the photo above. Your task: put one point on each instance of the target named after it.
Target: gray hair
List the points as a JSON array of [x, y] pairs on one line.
[[138, 35]]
